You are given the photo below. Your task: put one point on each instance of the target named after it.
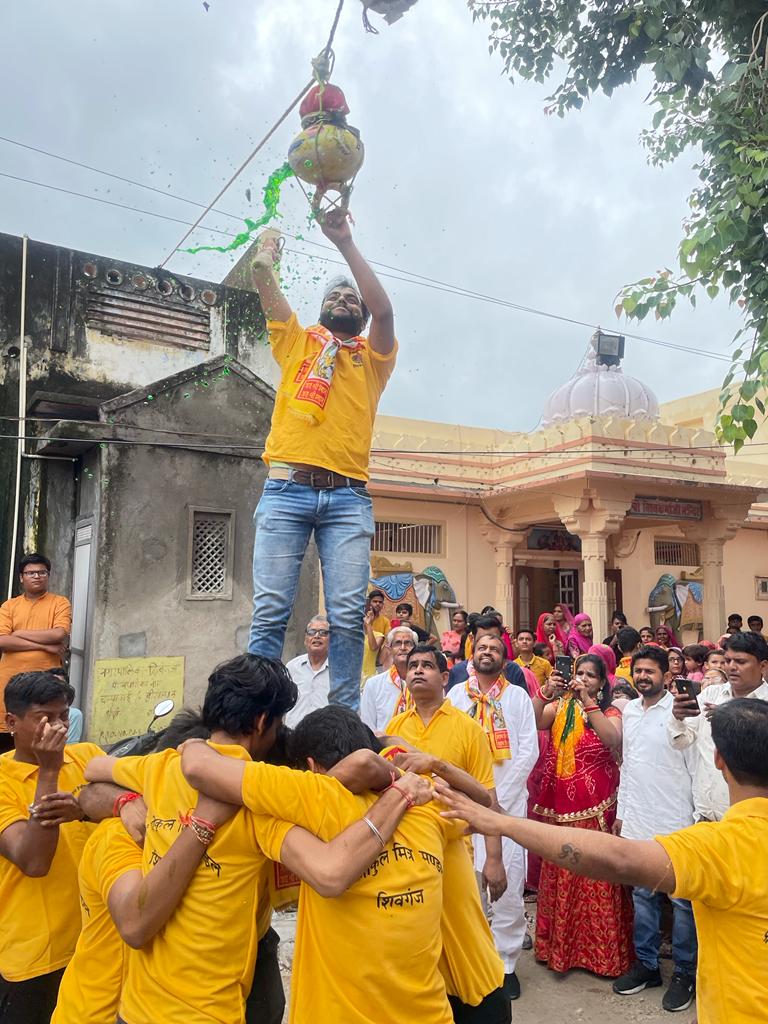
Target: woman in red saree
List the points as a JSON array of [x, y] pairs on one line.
[[581, 922], [548, 632]]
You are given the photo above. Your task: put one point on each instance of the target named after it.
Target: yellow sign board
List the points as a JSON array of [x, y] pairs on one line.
[[125, 692]]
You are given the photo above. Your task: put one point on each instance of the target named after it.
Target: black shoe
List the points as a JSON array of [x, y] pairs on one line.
[[681, 992], [636, 979], [511, 986]]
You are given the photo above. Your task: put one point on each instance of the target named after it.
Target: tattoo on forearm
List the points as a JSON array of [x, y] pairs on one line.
[[570, 854]]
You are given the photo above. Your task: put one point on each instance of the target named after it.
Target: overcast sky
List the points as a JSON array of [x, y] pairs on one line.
[[466, 180]]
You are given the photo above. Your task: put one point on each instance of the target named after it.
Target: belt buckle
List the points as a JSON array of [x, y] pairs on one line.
[[318, 486]]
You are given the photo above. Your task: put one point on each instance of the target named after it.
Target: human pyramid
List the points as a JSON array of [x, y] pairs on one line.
[[599, 777]]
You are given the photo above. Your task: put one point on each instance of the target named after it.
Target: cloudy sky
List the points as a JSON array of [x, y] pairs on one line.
[[466, 181]]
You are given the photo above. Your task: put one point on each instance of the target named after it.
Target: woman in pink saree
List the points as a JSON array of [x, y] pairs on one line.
[[580, 637]]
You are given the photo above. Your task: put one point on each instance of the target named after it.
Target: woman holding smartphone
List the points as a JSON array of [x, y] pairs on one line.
[[581, 922]]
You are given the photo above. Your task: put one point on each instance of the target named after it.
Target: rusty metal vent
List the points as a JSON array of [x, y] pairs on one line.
[[140, 316]]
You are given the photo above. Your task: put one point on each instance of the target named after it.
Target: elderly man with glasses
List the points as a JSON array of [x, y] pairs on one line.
[[310, 671], [34, 630], [386, 694]]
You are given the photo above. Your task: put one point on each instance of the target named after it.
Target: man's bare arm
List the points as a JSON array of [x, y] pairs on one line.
[[13, 643], [594, 854], [381, 337], [55, 636], [271, 297]]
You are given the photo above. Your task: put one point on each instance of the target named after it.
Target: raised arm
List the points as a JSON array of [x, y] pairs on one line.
[[141, 905], [31, 844], [271, 297], [457, 778], [594, 854], [381, 337]]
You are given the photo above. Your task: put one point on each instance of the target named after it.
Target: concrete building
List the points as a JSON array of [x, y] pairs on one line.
[[147, 399], [612, 503]]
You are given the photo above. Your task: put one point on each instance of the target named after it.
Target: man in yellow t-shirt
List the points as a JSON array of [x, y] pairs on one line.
[[34, 629], [331, 380], [401, 894], [198, 968], [42, 835], [719, 866], [526, 658]]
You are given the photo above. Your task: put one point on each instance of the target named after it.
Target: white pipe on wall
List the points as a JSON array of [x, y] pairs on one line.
[[22, 413]]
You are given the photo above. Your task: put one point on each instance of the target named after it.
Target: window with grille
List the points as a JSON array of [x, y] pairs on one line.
[[211, 546], [408, 538], [675, 552]]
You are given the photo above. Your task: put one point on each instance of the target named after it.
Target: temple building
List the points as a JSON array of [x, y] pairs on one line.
[[614, 502]]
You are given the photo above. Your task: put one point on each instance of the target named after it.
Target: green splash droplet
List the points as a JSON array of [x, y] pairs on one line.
[[271, 202]]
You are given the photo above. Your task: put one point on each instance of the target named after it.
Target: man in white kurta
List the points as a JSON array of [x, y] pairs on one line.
[[386, 695], [506, 713]]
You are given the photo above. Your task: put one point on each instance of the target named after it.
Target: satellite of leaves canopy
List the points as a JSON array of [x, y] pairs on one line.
[[709, 60]]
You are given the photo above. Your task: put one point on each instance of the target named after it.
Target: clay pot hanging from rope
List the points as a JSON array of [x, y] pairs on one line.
[[327, 152]]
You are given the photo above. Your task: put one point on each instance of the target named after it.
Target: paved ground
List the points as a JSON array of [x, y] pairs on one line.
[[549, 998]]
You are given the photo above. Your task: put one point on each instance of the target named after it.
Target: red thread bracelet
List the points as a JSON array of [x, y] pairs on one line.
[[121, 801], [406, 796]]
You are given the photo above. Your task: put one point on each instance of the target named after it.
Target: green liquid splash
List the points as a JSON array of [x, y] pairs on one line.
[[271, 201]]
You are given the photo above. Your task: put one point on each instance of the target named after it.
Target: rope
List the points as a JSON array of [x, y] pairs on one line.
[[324, 61]]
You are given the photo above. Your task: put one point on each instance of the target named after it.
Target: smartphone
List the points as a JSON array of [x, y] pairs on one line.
[[564, 665], [688, 687]]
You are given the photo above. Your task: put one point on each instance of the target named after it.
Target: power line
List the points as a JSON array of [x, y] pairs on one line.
[[412, 278]]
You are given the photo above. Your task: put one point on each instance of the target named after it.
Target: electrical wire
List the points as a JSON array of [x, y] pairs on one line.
[[412, 278]]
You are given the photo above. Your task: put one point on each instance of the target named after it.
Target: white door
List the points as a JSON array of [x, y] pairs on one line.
[[81, 576]]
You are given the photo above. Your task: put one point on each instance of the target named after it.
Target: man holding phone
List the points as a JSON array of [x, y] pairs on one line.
[[655, 798], [746, 663]]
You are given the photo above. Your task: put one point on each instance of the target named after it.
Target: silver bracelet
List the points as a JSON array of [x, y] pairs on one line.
[[375, 831]]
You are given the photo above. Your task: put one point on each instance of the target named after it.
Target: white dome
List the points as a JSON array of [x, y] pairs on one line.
[[597, 390]]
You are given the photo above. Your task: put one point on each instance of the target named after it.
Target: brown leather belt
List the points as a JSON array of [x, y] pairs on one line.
[[321, 479]]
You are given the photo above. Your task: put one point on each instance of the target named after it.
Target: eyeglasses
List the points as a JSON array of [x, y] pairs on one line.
[[35, 572], [318, 632]]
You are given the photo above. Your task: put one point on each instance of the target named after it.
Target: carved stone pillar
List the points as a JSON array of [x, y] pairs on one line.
[[504, 543], [718, 527]]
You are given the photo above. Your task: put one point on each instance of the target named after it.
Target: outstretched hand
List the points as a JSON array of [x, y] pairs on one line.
[[479, 819], [334, 224]]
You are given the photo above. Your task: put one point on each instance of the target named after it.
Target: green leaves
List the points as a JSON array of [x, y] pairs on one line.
[[718, 110]]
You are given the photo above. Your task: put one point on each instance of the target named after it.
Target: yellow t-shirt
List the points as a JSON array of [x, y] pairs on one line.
[[199, 967], [373, 952], [41, 916], [540, 667], [90, 989], [722, 868], [451, 735], [369, 659], [470, 963], [51, 611], [342, 442], [624, 668]]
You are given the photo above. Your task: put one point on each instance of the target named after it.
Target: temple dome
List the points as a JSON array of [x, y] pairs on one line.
[[598, 390]]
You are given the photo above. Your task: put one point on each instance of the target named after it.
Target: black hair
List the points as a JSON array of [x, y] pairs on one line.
[[187, 724], [328, 735], [627, 639], [404, 604], [34, 558], [541, 649], [755, 618], [604, 696], [714, 650], [241, 690], [652, 652], [622, 618], [698, 652], [735, 615], [440, 659], [483, 622], [376, 593], [623, 687], [461, 611], [26, 689], [747, 643], [740, 734], [526, 629]]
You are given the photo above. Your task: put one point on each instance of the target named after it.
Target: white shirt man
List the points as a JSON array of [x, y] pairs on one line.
[[310, 672], [511, 778], [386, 695], [746, 662]]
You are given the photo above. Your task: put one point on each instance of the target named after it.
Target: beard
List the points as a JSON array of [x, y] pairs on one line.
[[347, 323]]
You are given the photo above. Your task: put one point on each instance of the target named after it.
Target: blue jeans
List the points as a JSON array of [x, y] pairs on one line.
[[648, 931], [342, 521]]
